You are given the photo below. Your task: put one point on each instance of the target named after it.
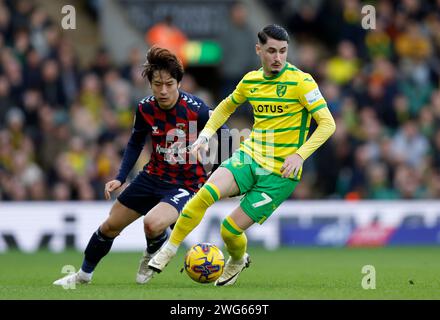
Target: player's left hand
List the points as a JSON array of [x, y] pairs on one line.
[[293, 164]]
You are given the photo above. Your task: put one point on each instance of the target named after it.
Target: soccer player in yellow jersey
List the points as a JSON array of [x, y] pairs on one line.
[[268, 165]]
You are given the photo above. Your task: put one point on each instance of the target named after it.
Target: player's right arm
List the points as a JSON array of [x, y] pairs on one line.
[[219, 116], [131, 154]]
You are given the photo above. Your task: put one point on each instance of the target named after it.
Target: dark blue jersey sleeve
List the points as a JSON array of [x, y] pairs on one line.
[[224, 139], [134, 146]]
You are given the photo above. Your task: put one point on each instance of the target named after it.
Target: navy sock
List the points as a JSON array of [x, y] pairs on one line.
[[154, 244], [99, 245]]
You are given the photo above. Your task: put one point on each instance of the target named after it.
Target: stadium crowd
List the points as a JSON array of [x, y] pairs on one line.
[[63, 126]]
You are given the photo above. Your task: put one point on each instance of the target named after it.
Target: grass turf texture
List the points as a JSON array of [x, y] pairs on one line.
[[287, 273]]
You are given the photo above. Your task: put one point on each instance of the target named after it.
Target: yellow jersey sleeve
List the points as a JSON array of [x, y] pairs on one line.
[[311, 98], [309, 95], [238, 97], [326, 127], [224, 110]]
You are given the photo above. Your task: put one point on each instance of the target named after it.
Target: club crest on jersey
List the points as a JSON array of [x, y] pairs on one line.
[[281, 90], [155, 131], [180, 129]]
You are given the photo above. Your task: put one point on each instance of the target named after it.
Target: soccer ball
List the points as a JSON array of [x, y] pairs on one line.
[[204, 262]]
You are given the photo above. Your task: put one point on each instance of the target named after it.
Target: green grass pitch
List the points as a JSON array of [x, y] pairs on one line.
[[286, 273]]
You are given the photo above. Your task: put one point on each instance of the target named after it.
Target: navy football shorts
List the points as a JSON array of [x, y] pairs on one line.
[[144, 192]]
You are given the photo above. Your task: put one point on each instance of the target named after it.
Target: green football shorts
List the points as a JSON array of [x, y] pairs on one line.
[[263, 191]]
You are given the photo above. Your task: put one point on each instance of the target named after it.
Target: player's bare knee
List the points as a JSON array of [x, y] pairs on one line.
[[224, 180], [109, 229], [152, 228]]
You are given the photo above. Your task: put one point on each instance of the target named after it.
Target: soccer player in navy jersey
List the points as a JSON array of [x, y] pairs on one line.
[[168, 180]]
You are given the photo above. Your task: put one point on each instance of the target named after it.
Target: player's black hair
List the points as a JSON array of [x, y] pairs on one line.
[[159, 59], [273, 31]]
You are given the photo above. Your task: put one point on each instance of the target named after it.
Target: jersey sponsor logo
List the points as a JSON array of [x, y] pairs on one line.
[[172, 148], [281, 90], [313, 96], [268, 108]]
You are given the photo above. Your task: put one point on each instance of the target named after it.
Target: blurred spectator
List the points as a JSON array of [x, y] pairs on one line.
[[166, 34], [413, 43], [102, 62], [344, 66], [378, 42], [410, 147], [77, 156], [21, 14], [332, 94], [51, 85], [39, 21], [303, 17], [5, 100], [69, 69], [32, 69], [5, 23], [237, 41], [308, 58], [351, 27], [378, 182], [117, 91], [90, 95], [436, 150], [382, 87], [61, 192], [189, 84], [408, 183]]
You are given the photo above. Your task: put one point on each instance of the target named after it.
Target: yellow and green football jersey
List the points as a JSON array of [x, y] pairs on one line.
[[282, 107]]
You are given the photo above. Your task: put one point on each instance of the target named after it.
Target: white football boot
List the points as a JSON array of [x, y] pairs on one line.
[[161, 259], [79, 277], [144, 273], [232, 270]]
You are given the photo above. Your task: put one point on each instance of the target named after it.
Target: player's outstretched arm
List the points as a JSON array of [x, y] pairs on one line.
[[218, 117]]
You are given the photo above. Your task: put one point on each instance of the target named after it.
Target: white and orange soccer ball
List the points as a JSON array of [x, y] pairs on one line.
[[204, 262]]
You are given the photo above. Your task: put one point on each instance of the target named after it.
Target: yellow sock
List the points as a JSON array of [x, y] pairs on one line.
[[234, 238], [193, 212]]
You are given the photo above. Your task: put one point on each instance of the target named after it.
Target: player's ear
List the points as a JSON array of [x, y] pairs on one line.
[[178, 85], [257, 49]]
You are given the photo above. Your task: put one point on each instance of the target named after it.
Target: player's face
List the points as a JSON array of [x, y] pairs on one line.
[[165, 89], [273, 56]]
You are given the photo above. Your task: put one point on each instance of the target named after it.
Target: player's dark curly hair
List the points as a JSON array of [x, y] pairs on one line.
[[273, 31], [162, 59]]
